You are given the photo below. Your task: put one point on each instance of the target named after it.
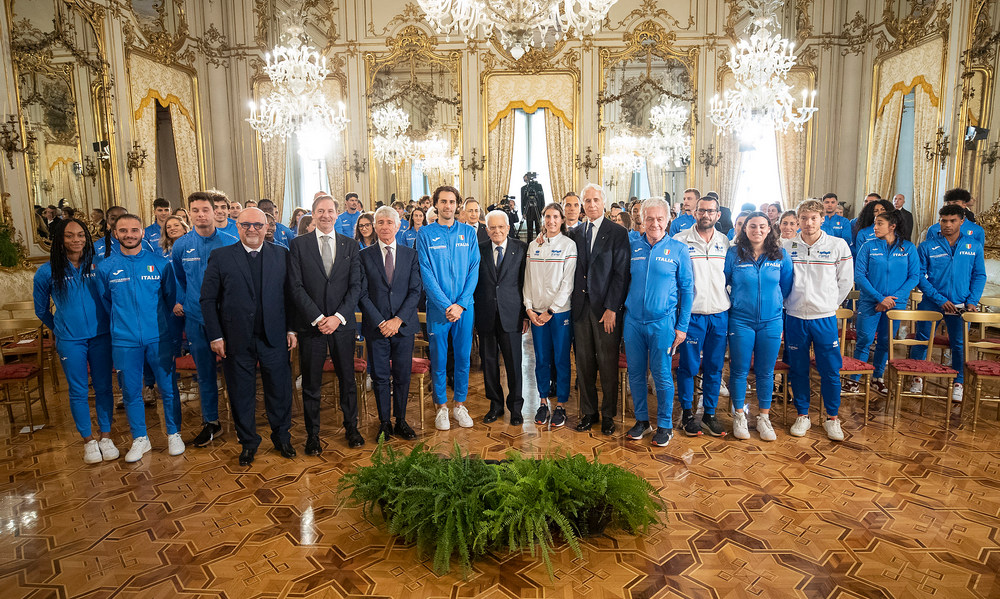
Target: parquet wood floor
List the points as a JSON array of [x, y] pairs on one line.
[[904, 513]]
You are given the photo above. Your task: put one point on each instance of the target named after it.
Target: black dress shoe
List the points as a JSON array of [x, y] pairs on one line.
[[246, 456], [586, 423], [608, 426], [404, 431], [491, 416], [312, 446], [286, 450], [384, 432], [354, 438], [516, 420]]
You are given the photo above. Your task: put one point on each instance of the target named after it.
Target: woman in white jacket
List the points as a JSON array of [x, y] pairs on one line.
[[548, 284]]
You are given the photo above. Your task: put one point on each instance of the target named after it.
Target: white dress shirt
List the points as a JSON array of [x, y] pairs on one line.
[[593, 233], [333, 248]]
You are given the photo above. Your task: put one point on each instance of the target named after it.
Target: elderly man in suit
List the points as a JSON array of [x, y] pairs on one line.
[[390, 292], [598, 299], [906, 232], [246, 307], [500, 316], [325, 276]]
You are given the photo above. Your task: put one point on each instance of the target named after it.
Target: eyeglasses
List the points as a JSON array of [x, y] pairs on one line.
[[364, 225], [706, 211], [248, 226]]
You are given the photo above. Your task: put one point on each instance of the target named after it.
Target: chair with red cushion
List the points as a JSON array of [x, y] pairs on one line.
[[18, 370], [978, 370], [849, 366], [926, 368], [360, 372]]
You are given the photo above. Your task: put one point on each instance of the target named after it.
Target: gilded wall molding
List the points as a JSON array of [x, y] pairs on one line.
[[649, 39], [649, 10], [535, 60], [893, 33], [411, 14]]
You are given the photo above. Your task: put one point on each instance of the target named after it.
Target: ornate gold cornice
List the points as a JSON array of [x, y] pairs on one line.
[[647, 40], [893, 33], [990, 222], [650, 10]]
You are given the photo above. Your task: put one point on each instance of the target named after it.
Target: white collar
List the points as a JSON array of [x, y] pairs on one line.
[[382, 246], [597, 223], [504, 245], [250, 249]]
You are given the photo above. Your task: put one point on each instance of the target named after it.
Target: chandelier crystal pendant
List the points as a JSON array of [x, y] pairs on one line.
[[671, 142], [434, 154], [520, 24], [761, 101], [391, 145]]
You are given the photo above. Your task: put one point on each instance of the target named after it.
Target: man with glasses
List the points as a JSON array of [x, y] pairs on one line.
[[705, 344]]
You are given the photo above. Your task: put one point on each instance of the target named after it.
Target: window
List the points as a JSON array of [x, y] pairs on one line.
[[304, 176], [530, 154], [758, 181], [904, 155]]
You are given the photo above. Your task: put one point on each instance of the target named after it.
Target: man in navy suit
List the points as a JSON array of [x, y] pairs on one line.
[[245, 306], [325, 279], [500, 319], [390, 292]]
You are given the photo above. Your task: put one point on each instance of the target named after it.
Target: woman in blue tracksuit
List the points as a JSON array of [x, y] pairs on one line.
[[759, 274], [865, 224], [80, 326], [409, 236], [138, 291], [886, 270]]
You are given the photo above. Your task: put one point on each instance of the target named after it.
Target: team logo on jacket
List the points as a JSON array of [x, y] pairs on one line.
[[824, 253], [117, 272], [190, 250], [150, 268], [968, 246], [461, 237]]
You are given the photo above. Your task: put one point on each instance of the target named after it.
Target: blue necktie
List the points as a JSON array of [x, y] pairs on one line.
[[499, 256], [588, 236]]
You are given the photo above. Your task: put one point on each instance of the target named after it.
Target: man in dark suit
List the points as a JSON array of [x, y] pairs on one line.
[[325, 276], [500, 317], [390, 292], [532, 201], [245, 307], [906, 229], [472, 212], [598, 299]]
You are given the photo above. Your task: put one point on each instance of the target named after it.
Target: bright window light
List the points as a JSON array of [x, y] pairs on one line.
[[758, 181]]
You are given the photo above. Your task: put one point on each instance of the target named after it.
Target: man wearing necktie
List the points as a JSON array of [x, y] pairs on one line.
[[325, 279], [390, 293], [246, 305]]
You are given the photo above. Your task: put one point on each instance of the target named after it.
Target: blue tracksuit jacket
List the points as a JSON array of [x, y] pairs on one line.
[[956, 273], [189, 259], [759, 288], [662, 282], [684, 221], [838, 226], [80, 313], [139, 293], [449, 265], [969, 229], [880, 272]]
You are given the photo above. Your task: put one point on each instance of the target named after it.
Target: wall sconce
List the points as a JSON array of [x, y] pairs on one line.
[[710, 158], [990, 158], [47, 186], [136, 158], [588, 163], [940, 148], [90, 170], [358, 167], [473, 165], [10, 139], [102, 150]]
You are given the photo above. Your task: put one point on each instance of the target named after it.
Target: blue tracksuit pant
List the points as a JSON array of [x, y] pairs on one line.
[[956, 339], [821, 333], [75, 356], [759, 341], [647, 345], [552, 342], [438, 332], [159, 355], [705, 346], [868, 324], [204, 363]]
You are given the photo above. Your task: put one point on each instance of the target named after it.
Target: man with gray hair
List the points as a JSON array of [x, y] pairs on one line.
[[906, 230], [500, 315], [601, 281]]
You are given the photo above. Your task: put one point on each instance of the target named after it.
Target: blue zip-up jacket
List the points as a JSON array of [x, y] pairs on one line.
[[449, 264], [758, 288], [231, 228], [633, 235], [662, 282], [80, 314], [404, 225], [345, 223], [407, 238], [684, 221], [282, 235], [952, 273], [190, 259], [880, 271], [864, 236], [99, 248], [969, 229], [139, 293], [838, 226], [153, 233]]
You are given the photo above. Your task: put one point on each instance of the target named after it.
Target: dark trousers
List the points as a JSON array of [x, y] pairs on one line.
[[392, 357], [312, 355], [509, 346], [240, 369], [597, 351]]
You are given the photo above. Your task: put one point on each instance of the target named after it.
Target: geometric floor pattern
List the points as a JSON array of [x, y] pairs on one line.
[[887, 513]]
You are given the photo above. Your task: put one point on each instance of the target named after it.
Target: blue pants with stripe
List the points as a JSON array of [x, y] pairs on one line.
[[647, 345], [705, 348], [159, 355], [205, 364], [460, 332], [75, 356], [868, 324], [552, 342], [758, 342], [821, 334]]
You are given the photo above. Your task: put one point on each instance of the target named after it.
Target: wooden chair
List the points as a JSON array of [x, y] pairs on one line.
[[185, 365], [24, 368], [421, 366], [978, 370], [26, 310], [988, 305], [926, 368], [850, 366], [360, 372], [850, 333], [22, 309]]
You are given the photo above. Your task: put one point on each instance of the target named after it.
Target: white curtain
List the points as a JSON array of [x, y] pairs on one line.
[[186, 148], [885, 142], [559, 144], [728, 171], [791, 147], [498, 162], [925, 119]]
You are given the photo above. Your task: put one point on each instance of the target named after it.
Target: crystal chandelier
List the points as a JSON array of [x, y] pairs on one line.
[[390, 144], [433, 154], [625, 153], [760, 101], [521, 24], [296, 104], [670, 142]]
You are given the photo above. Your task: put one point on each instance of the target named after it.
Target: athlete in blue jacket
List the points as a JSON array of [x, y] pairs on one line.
[[954, 277], [885, 272], [161, 212], [834, 224], [349, 217], [686, 219], [190, 258], [657, 314], [960, 197], [449, 266], [137, 289], [760, 275], [80, 326]]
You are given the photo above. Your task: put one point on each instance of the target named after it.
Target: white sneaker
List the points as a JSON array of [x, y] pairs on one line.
[[441, 421], [723, 390], [368, 383], [462, 416], [764, 428], [140, 447], [298, 382], [91, 452], [175, 445], [833, 429], [917, 385], [800, 426], [957, 392], [108, 450], [740, 429]]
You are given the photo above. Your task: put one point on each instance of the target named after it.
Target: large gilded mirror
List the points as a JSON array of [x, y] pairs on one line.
[[61, 90], [646, 102], [414, 117]]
